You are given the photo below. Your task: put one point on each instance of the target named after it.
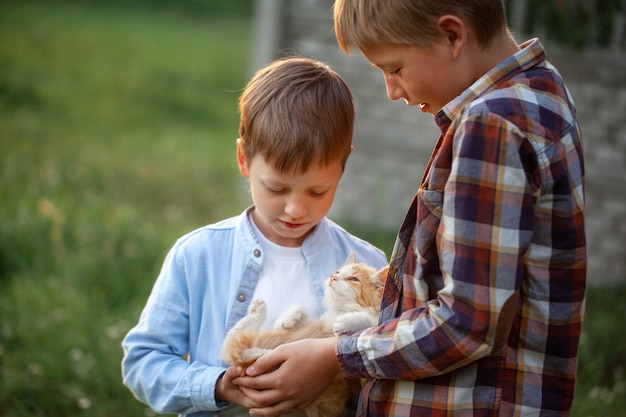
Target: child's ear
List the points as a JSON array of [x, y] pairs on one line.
[[241, 159], [455, 30]]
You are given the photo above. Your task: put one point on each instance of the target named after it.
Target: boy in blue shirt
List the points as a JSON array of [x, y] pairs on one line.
[[295, 137]]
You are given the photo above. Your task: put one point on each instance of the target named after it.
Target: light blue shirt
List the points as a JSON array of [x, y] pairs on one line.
[[172, 356]]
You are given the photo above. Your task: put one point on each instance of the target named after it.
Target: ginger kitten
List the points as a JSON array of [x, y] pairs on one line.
[[352, 300]]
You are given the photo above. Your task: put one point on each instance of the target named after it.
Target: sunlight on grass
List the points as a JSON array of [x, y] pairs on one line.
[[119, 131]]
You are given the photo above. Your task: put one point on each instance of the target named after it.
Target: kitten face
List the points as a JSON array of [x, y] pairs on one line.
[[352, 287]]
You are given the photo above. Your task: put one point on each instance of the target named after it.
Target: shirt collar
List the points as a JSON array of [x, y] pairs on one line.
[[530, 54]]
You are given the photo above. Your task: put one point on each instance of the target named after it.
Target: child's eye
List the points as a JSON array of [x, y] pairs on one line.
[[277, 190], [395, 72], [317, 193]]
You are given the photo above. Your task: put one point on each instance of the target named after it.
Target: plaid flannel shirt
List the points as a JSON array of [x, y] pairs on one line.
[[482, 310]]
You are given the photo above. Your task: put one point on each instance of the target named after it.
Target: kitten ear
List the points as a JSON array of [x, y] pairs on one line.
[[382, 274], [351, 258], [381, 278]]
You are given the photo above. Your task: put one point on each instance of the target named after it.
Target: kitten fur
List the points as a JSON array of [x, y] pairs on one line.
[[352, 299]]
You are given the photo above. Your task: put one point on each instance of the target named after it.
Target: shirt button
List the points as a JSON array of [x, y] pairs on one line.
[[241, 297], [257, 253]]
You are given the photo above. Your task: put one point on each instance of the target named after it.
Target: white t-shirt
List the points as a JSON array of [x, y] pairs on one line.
[[283, 281]]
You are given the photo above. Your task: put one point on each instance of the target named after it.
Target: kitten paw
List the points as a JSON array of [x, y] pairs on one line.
[[252, 354], [257, 307], [254, 319], [291, 318], [352, 322]]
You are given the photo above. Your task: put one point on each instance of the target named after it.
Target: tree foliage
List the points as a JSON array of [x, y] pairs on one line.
[[576, 23]]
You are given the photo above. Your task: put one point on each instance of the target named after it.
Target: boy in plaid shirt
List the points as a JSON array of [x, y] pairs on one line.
[[482, 310]]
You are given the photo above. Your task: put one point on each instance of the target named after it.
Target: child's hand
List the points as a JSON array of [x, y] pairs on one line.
[[225, 390], [290, 377]]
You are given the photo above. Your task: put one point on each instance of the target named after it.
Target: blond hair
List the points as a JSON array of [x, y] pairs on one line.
[[359, 23], [296, 111]]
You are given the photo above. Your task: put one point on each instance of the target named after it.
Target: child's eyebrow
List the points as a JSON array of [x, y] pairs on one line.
[[273, 182], [385, 66]]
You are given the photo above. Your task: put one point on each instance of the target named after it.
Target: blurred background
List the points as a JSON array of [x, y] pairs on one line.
[[118, 122]]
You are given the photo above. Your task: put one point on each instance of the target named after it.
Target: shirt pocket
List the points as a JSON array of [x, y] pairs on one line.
[[429, 209]]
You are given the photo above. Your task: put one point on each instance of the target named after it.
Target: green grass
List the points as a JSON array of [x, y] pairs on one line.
[[601, 384], [117, 131]]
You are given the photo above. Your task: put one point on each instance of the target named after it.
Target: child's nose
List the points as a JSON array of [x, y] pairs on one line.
[[394, 90], [295, 208]]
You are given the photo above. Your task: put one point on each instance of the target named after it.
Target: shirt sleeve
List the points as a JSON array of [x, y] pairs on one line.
[[154, 366], [485, 229]]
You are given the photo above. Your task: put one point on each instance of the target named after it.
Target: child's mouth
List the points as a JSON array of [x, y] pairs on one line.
[[291, 225]]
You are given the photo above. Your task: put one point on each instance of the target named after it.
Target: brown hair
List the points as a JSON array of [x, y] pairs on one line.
[[294, 112], [411, 22]]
